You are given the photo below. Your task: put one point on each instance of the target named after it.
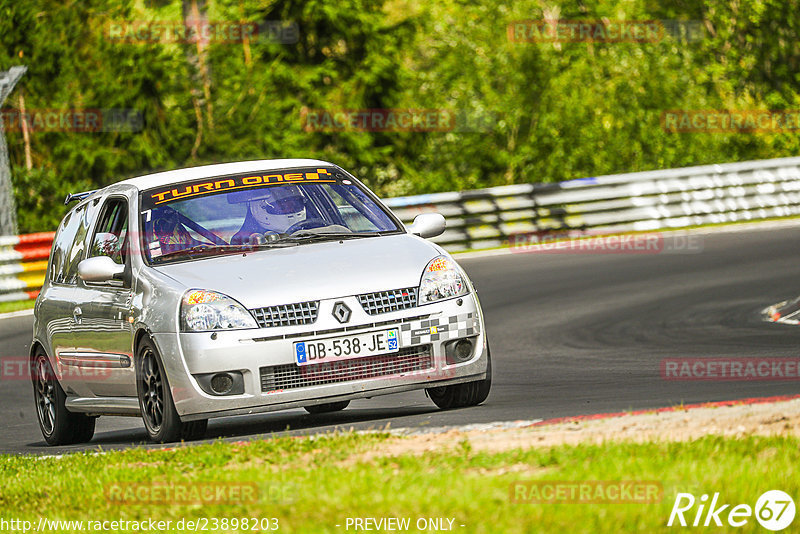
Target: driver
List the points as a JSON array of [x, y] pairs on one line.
[[276, 210]]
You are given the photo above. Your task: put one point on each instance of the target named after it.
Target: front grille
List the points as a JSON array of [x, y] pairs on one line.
[[287, 314], [291, 376], [388, 301], [342, 329]]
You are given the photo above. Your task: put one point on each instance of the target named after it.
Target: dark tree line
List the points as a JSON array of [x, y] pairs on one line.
[[523, 111]]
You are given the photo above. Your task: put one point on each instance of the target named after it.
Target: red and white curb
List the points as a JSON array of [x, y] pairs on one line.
[[23, 262]]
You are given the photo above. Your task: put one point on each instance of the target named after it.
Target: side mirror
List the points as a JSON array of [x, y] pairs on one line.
[[428, 225], [99, 269]]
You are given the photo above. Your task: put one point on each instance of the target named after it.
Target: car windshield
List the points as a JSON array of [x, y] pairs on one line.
[[275, 209]]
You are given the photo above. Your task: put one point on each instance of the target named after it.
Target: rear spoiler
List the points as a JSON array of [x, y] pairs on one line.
[[78, 196]]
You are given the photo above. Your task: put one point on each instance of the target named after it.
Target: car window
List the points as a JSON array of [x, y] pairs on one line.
[[69, 244], [110, 236], [239, 210], [62, 244], [77, 252], [356, 213]]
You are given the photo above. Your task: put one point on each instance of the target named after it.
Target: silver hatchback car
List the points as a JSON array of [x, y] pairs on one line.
[[242, 288]]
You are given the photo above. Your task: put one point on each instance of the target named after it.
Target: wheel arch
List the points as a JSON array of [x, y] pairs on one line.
[[141, 333], [35, 345]]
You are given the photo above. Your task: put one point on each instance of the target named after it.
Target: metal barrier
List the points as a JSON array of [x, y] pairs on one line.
[[486, 218], [23, 262], [618, 203]]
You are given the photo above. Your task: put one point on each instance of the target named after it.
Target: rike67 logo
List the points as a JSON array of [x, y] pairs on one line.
[[774, 510]]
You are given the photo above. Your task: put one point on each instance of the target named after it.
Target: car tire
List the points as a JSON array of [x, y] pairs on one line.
[[161, 420], [327, 408], [466, 394], [59, 426]]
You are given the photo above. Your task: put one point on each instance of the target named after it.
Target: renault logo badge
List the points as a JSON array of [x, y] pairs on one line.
[[341, 312]]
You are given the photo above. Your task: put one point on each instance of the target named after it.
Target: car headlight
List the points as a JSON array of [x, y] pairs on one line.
[[441, 280], [202, 311]]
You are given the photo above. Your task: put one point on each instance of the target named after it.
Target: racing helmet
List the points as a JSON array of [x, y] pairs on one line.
[[279, 209]]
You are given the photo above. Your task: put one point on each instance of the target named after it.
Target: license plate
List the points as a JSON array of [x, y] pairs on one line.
[[346, 347]]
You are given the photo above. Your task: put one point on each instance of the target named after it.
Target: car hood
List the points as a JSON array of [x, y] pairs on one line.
[[310, 271]]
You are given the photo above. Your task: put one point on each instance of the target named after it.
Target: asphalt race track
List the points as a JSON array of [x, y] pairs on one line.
[[570, 334]]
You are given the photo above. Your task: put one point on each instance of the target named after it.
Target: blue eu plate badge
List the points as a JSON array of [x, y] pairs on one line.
[[300, 352]]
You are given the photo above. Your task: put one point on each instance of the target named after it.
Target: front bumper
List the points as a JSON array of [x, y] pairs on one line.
[[272, 380]]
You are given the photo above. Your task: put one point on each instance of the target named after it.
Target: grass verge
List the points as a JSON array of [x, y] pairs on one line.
[[313, 485], [16, 305]]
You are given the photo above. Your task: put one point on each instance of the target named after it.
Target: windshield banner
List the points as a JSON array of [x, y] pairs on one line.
[[212, 186]]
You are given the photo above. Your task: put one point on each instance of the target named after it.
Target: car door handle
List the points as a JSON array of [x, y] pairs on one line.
[[77, 314]]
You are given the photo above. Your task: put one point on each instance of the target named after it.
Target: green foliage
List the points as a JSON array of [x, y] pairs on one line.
[[40, 197], [526, 112]]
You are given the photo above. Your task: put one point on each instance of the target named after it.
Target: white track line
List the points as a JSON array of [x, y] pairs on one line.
[[19, 313], [475, 427]]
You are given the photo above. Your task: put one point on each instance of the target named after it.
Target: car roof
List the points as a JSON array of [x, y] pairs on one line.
[[222, 169]]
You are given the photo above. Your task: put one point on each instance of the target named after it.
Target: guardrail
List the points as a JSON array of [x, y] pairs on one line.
[[618, 203], [23, 262], [493, 217]]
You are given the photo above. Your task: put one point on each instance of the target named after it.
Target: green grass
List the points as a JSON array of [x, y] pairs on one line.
[[311, 485], [16, 305]]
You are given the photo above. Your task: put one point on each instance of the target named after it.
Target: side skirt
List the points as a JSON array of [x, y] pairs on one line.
[[104, 405]]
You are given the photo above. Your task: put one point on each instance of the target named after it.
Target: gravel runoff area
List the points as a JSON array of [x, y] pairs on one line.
[[750, 417]]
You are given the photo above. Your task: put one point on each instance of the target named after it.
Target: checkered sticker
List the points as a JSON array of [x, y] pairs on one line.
[[429, 330]]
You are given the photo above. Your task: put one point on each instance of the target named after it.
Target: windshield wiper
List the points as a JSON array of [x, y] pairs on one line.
[[245, 247], [323, 236], [198, 249]]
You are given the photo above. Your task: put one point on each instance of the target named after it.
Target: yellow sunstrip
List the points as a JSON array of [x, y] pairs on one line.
[[240, 182]]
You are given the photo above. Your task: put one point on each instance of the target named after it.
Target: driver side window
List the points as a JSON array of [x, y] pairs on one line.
[[111, 235]]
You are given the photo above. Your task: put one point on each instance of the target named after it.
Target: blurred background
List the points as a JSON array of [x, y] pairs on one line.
[[523, 107]]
